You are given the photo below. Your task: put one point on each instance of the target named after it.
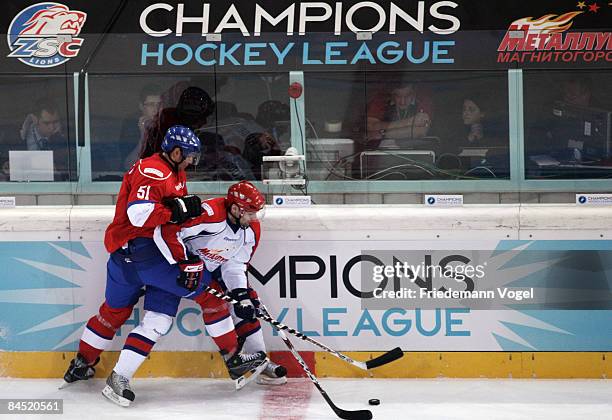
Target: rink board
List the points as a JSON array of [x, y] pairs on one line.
[[201, 364], [52, 277]]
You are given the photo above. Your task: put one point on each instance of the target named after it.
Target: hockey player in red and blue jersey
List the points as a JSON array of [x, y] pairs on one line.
[[153, 192]]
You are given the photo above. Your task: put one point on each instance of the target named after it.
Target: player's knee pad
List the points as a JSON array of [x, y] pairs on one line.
[[113, 318], [156, 324]]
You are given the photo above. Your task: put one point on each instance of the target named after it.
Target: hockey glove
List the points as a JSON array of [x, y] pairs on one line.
[[191, 273], [244, 308], [184, 207]]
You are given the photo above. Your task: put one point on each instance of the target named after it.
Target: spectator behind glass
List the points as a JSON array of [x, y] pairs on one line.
[[472, 118], [256, 146], [42, 126], [544, 135], [401, 112], [483, 126], [42, 130], [193, 108], [244, 140], [274, 116], [577, 90], [133, 129]]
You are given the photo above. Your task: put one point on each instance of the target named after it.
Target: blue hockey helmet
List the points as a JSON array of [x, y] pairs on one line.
[[183, 138]]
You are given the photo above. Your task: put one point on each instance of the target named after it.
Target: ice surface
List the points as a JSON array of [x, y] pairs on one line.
[[419, 399]]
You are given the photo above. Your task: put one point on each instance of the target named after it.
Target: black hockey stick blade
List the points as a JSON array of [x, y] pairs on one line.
[[383, 359], [345, 414]]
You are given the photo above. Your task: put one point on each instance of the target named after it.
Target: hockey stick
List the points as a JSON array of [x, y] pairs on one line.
[[383, 359], [343, 414]]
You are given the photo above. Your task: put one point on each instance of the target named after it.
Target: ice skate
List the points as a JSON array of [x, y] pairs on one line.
[[273, 374], [245, 367], [79, 370], [118, 390]]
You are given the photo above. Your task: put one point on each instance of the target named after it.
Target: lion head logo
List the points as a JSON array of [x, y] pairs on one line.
[[45, 34], [55, 20]]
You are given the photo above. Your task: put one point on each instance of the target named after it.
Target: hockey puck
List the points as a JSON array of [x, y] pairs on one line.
[[374, 401]]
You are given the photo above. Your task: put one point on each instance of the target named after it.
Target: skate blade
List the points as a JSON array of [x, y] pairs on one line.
[[111, 395], [254, 373], [65, 385], [266, 380]]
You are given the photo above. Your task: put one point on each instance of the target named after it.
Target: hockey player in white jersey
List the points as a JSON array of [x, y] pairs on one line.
[[225, 237]]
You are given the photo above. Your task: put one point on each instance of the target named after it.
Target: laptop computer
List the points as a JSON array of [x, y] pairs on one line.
[[31, 165]]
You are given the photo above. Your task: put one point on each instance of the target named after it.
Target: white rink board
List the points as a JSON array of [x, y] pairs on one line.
[[333, 235]]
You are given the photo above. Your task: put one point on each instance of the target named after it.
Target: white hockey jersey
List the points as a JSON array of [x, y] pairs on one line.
[[212, 238]]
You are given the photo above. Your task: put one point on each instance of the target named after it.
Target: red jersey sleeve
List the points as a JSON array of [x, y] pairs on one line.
[[148, 186], [168, 240]]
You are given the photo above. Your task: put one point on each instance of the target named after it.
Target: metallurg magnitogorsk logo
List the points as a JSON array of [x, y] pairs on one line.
[[45, 34]]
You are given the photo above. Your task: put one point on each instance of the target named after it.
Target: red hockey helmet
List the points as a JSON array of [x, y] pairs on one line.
[[246, 196]]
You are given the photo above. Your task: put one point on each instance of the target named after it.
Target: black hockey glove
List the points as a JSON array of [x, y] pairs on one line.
[[191, 273], [184, 207], [245, 308]]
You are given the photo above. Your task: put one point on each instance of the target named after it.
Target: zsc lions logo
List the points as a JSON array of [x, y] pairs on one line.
[[44, 34]]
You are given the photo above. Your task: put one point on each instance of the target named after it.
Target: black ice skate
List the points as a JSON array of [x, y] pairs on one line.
[[245, 367], [79, 370], [118, 390], [273, 374]]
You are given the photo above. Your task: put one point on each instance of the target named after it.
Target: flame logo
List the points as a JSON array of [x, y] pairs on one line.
[[206, 251], [547, 23]]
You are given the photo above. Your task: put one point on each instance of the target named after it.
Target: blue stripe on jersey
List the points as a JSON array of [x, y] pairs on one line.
[[131, 203], [97, 333], [135, 350], [251, 332]]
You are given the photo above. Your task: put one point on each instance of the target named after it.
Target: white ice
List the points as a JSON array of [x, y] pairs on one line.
[[419, 399]]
